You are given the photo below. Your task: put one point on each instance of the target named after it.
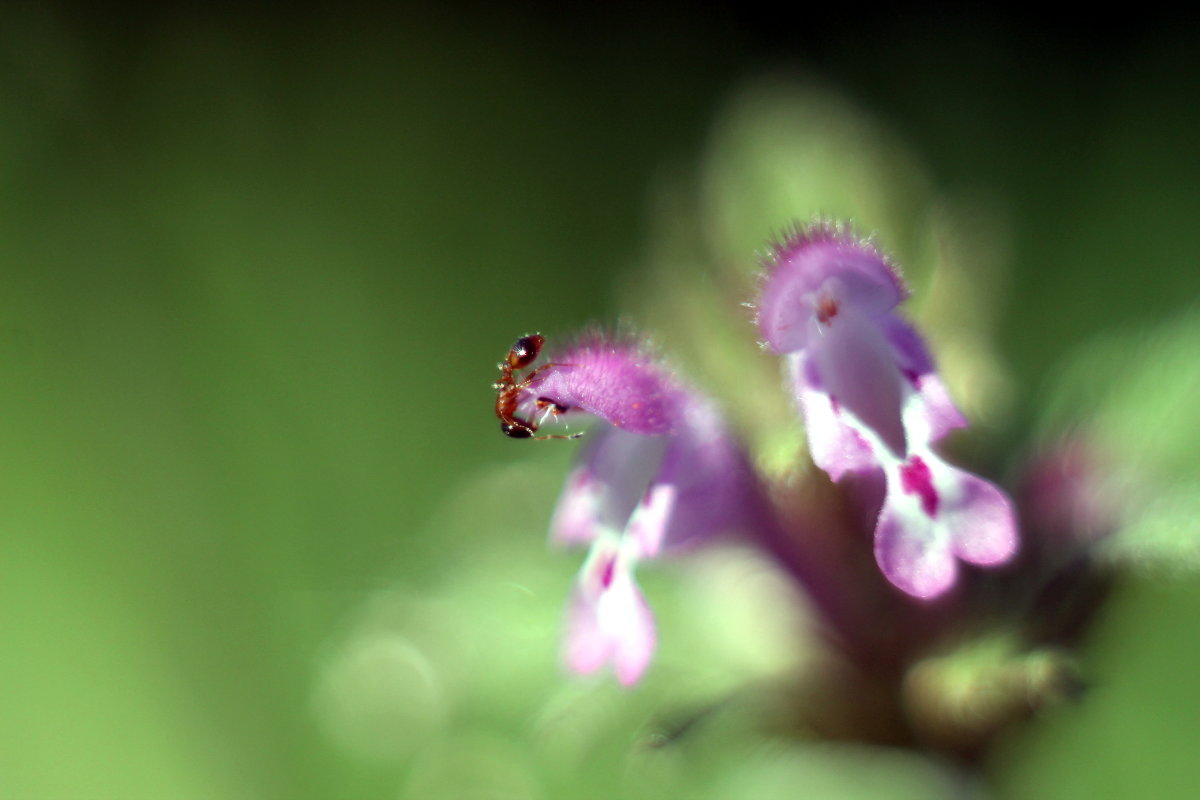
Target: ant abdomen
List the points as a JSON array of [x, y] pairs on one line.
[[515, 430]]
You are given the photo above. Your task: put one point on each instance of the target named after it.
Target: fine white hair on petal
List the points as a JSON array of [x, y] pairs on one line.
[[819, 265]]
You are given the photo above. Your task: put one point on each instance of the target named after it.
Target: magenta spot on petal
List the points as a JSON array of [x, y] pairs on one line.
[[606, 574], [913, 378], [837, 407], [915, 479]]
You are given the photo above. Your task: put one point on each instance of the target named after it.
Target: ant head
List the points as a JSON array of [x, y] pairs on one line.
[[516, 429], [525, 351]]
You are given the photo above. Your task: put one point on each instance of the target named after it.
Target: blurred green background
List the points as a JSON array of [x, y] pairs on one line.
[[261, 537]]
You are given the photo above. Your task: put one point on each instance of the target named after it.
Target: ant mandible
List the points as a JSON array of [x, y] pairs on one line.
[[523, 353]]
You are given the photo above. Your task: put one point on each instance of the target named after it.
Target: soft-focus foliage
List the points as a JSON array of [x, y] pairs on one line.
[[1127, 404], [261, 537]]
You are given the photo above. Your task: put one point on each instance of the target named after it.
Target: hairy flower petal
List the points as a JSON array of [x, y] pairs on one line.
[[659, 472], [616, 382], [812, 268], [873, 400]]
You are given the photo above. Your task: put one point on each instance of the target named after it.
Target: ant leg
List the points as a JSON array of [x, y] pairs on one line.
[[554, 408], [529, 426], [560, 436], [549, 408]]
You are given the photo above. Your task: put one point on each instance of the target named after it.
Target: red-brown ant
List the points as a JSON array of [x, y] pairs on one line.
[[523, 353]]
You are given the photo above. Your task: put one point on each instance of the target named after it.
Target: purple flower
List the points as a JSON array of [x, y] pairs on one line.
[[659, 472], [872, 399]]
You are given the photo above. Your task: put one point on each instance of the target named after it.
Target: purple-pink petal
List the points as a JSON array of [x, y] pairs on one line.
[[602, 492], [928, 409], [872, 400], [835, 445], [985, 527], [648, 523], [586, 648], [659, 471], [929, 413], [614, 381], [912, 355], [609, 621], [710, 478], [934, 513], [911, 553], [808, 263], [577, 519], [635, 646], [858, 368]]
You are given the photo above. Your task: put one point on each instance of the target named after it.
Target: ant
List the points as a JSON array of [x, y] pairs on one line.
[[523, 353]]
